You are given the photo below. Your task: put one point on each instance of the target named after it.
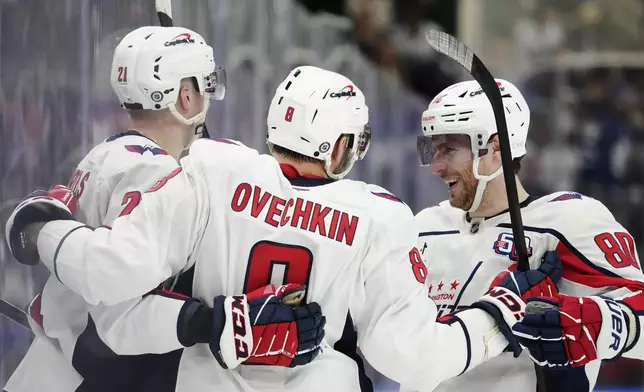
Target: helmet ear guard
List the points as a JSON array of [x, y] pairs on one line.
[[355, 150]]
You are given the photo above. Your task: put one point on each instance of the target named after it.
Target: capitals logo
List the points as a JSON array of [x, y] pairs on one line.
[[504, 246], [347, 91], [142, 149], [184, 38]]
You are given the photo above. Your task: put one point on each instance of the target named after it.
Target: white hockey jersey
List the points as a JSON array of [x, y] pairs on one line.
[[102, 182], [246, 221], [464, 256]]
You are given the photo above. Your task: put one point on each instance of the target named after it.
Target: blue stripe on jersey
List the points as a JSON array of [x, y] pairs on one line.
[[468, 343], [104, 371], [348, 345], [432, 233], [303, 181], [458, 299], [130, 132], [566, 380]]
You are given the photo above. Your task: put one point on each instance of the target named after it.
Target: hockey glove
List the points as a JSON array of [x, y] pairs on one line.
[[566, 332], [541, 282], [505, 301], [265, 327], [59, 203]]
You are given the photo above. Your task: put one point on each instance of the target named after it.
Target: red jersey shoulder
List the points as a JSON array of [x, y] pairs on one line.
[[388, 196], [565, 196]]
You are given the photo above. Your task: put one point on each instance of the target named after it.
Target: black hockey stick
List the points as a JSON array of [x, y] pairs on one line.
[[14, 314], [164, 12], [7, 309], [457, 51]]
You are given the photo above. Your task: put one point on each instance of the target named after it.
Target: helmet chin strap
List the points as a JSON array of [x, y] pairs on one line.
[[198, 119], [329, 172], [483, 180]]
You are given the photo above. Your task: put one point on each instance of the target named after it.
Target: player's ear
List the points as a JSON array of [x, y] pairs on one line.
[[495, 145], [338, 151], [185, 97]]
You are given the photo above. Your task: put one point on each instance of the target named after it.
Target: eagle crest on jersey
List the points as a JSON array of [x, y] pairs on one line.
[[138, 149]]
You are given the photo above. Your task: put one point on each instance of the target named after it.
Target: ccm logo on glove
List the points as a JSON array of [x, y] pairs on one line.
[[509, 301], [239, 327]]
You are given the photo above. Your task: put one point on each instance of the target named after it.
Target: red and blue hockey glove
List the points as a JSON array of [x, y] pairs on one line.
[[59, 203], [541, 282], [505, 301], [566, 332], [268, 326]]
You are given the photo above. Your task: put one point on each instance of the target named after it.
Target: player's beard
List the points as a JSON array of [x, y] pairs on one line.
[[463, 198]]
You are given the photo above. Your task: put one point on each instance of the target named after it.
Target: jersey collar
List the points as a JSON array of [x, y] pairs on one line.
[[297, 179], [473, 225], [130, 132]]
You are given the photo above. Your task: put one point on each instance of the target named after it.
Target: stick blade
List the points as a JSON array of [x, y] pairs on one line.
[[451, 47]]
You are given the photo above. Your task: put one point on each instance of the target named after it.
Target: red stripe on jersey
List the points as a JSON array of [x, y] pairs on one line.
[[34, 310], [169, 294], [387, 196], [225, 141], [578, 271], [636, 302]]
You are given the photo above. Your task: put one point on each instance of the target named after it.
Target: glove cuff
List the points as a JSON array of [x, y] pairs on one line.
[[633, 323], [507, 309], [195, 323], [613, 334]]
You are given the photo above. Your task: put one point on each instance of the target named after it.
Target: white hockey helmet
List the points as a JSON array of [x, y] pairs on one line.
[[463, 109], [150, 62], [312, 108]]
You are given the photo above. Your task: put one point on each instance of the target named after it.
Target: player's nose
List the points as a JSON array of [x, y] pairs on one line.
[[438, 167]]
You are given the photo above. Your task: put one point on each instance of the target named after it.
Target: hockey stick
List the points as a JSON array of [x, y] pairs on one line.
[[7, 309], [164, 12], [14, 314], [457, 51]]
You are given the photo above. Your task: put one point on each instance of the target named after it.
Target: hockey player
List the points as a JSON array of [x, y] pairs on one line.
[[164, 78], [247, 220], [467, 240]]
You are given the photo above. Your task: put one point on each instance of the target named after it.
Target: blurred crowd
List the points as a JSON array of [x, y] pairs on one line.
[[587, 127], [392, 35]]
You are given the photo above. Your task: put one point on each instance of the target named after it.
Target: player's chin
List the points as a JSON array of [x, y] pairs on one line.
[[456, 201], [460, 200]]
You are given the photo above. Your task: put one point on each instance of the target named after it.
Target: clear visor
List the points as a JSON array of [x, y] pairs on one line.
[[356, 149], [364, 140], [215, 84], [443, 149]]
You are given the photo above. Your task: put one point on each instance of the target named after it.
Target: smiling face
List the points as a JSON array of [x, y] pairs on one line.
[[452, 160]]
